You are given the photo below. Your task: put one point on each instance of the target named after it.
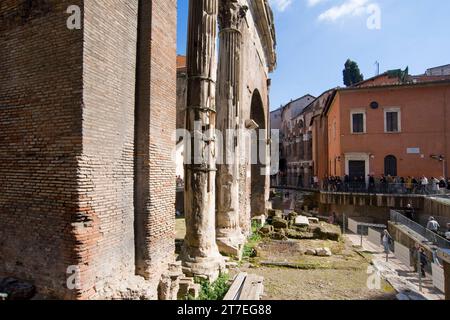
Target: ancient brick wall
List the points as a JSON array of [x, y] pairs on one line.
[[106, 167], [156, 114], [71, 189], [40, 140]]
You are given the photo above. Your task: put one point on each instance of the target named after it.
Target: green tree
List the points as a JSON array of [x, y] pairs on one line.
[[352, 74]]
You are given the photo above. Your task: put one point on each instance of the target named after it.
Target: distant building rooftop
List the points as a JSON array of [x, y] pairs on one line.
[[181, 63]]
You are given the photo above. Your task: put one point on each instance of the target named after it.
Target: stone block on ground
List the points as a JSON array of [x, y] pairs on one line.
[[328, 232], [299, 235], [293, 215], [279, 223], [280, 236], [324, 252], [272, 213], [188, 288], [311, 252], [301, 221], [313, 220], [231, 265], [267, 230]]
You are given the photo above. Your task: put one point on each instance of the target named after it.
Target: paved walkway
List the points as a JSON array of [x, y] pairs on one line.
[[402, 278]]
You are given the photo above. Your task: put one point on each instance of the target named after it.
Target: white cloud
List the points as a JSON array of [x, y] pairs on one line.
[[348, 8], [281, 5], [312, 3]]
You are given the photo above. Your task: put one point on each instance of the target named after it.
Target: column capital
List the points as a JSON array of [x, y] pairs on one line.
[[231, 14]]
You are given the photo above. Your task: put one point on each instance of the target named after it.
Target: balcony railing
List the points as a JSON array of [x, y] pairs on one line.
[[385, 188], [377, 188]]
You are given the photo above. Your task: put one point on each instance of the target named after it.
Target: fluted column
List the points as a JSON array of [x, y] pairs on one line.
[[230, 238], [200, 254]]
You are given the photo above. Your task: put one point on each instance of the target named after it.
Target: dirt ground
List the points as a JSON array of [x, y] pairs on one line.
[[344, 276], [324, 284]]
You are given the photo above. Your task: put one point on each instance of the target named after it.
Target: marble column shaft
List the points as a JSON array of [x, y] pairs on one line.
[[200, 254], [229, 235]]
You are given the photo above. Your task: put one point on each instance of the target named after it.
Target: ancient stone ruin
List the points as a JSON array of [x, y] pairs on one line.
[[87, 116]]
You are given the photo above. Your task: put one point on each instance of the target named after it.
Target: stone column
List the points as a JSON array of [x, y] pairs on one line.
[[200, 254], [229, 235]]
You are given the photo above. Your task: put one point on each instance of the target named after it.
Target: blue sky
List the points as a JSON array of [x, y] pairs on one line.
[[315, 38]]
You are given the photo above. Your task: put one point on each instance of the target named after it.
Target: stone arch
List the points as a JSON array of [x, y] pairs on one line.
[[258, 178]]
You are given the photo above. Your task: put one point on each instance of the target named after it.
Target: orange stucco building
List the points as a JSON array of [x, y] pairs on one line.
[[391, 129]]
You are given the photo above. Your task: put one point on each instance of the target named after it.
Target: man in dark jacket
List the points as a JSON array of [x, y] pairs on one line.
[[409, 212], [423, 262]]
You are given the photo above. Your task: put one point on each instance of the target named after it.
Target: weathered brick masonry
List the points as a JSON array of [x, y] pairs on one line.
[[40, 142], [156, 122], [84, 180]]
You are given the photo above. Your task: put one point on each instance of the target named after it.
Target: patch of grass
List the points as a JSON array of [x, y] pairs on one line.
[[214, 291], [252, 242]]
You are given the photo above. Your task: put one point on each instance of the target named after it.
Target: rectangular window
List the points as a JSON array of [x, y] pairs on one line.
[[358, 125], [392, 121]]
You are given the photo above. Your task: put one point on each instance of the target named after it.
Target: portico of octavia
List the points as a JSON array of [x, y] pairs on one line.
[[229, 95], [87, 116]]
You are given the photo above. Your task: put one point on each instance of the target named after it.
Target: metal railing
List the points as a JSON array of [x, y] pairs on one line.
[[377, 188], [432, 237], [384, 188]]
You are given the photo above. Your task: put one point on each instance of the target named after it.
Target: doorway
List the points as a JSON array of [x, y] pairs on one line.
[[357, 169], [258, 179], [390, 166]]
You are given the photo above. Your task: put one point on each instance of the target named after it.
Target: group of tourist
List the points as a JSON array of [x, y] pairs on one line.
[[386, 184]]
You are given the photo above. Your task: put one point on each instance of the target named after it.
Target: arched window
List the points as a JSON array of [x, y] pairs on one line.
[[390, 166]]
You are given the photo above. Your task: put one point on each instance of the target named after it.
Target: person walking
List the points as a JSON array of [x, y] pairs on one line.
[[384, 184], [433, 225], [442, 183], [415, 257], [316, 182], [409, 212], [333, 218], [423, 262], [424, 184], [346, 183], [409, 185], [415, 184], [387, 239], [435, 185], [371, 184]]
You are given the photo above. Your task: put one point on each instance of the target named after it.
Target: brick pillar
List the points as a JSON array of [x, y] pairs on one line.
[[155, 184], [229, 235], [200, 254]]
